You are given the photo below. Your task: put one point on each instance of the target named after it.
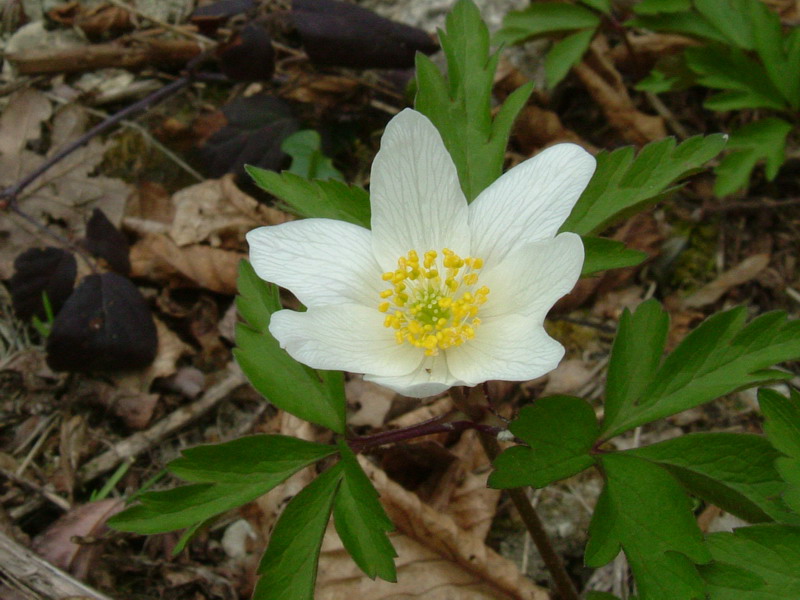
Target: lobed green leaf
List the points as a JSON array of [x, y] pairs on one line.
[[624, 183], [764, 139], [734, 471], [314, 396], [329, 199], [543, 18], [720, 356], [645, 512], [460, 107], [560, 432], [761, 562], [288, 568], [361, 522], [565, 54], [308, 161], [602, 254], [782, 427], [226, 476]]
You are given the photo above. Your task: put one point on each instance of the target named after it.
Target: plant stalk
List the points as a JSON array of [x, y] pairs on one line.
[[475, 405]]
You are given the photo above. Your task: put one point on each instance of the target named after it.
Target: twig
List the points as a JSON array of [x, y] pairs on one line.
[[141, 441], [475, 406], [207, 42], [55, 499], [36, 577]]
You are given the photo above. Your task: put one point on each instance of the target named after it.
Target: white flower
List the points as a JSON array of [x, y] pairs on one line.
[[438, 293]]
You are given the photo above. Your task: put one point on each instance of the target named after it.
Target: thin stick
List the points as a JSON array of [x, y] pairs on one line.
[[475, 406], [359, 444]]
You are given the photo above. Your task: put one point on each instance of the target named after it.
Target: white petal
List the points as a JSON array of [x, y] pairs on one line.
[[533, 277], [417, 202], [322, 261], [430, 378], [510, 348], [348, 337], [529, 202]]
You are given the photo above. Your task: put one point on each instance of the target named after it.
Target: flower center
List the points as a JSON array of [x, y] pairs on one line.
[[433, 304]]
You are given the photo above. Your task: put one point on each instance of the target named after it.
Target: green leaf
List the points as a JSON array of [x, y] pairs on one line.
[[225, 475], [308, 161], [329, 199], [720, 356], [782, 427], [622, 184], [560, 432], [761, 562], [652, 7], [686, 23], [604, 6], [780, 60], [288, 568], [566, 53], [765, 139], [635, 357], [731, 470], [461, 108], [731, 18], [361, 521], [295, 388], [644, 511], [541, 18], [727, 68], [603, 254]]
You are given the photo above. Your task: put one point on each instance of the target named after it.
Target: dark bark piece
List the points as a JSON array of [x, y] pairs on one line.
[[105, 325], [107, 242], [345, 35], [248, 55], [42, 270]]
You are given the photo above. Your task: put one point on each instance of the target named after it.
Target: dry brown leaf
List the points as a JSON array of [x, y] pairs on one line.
[[216, 211], [437, 408], [605, 84], [56, 545], [372, 402], [745, 271], [22, 120], [537, 127], [569, 377], [463, 493], [64, 196], [437, 560], [158, 258]]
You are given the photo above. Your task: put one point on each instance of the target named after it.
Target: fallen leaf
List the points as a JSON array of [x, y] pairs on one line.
[[437, 560], [56, 545], [217, 211], [22, 120], [38, 272], [569, 377], [371, 401], [606, 86], [745, 271], [158, 258]]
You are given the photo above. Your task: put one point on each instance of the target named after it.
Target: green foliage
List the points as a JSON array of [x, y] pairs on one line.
[[644, 511], [733, 471], [361, 521], [720, 356], [754, 563], [460, 106], [308, 161], [763, 139], [782, 426], [324, 199], [543, 18], [288, 568], [624, 182], [565, 54], [651, 7], [560, 432], [603, 254], [223, 476], [311, 395]]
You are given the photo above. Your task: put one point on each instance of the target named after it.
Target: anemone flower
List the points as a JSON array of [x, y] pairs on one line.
[[438, 293]]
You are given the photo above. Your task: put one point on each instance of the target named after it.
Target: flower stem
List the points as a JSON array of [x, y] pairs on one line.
[[475, 405], [435, 425]]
